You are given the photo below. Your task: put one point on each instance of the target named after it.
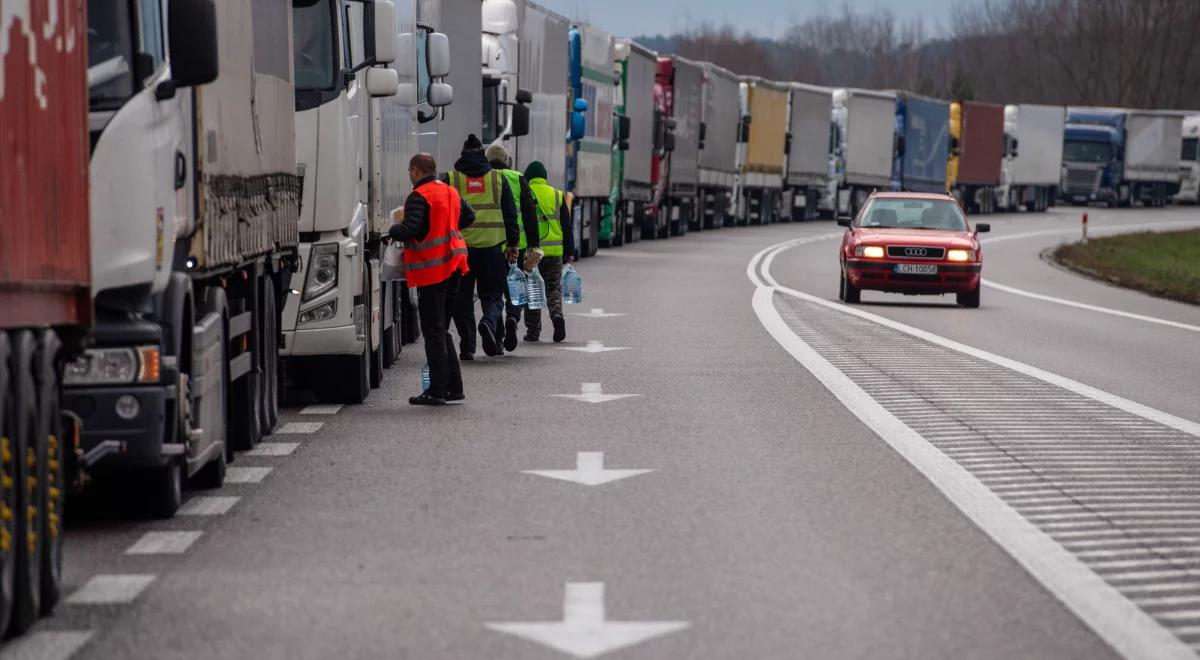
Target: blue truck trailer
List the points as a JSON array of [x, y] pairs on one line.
[[921, 145]]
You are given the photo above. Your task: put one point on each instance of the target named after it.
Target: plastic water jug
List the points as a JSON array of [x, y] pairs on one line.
[[537, 290], [572, 286], [517, 286], [425, 384]]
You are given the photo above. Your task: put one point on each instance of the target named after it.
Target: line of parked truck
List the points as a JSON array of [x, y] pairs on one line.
[[195, 196]]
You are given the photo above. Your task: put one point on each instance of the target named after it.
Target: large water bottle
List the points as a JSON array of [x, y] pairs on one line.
[[517, 286], [425, 384], [572, 286], [537, 290]]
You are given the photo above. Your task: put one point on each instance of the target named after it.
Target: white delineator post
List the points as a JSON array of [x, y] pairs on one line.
[[1084, 224]]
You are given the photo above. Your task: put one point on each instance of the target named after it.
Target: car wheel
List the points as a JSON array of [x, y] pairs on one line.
[[970, 300], [851, 294]]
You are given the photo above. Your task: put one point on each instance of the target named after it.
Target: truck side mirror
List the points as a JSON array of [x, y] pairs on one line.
[[744, 129], [440, 95], [405, 63], [623, 126], [581, 105], [578, 124], [1013, 152], [382, 82], [669, 142], [900, 146], [520, 120], [524, 96], [192, 29], [703, 132], [379, 20], [953, 145], [438, 54], [787, 145], [406, 94], [623, 145]]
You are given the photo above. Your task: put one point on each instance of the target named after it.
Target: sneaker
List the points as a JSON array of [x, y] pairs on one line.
[[529, 336], [450, 398], [510, 335], [560, 330], [427, 399], [487, 339]]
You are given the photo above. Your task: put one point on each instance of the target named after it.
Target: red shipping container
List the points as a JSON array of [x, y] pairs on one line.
[[982, 144], [45, 266]]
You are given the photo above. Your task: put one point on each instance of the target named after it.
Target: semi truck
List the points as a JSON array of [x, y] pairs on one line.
[[45, 291], [195, 200], [864, 146], [764, 113], [809, 152], [590, 153], [1189, 162], [921, 144], [631, 191], [719, 137], [976, 154], [1120, 157], [678, 98], [1033, 156]]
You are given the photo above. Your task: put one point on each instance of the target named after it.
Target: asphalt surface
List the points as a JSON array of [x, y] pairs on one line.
[[775, 523]]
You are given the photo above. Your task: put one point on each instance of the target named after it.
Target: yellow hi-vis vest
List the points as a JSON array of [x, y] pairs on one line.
[[549, 201], [483, 193], [513, 179]]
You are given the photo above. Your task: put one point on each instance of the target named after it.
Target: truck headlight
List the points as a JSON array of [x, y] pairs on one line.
[[110, 366], [322, 312], [322, 270]]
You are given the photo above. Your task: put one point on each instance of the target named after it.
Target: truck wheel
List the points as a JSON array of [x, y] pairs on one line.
[[51, 479], [8, 481], [376, 354], [212, 475], [270, 358], [27, 461], [164, 485], [245, 398]]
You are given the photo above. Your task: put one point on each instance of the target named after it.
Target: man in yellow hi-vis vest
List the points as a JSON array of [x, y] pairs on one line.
[[555, 230], [495, 227]]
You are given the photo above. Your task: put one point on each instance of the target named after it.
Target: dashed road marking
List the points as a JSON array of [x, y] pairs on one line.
[[297, 428], [246, 475], [164, 543], [208, 505], [110, 590], [47, 645], [274, 449], [330, 409]]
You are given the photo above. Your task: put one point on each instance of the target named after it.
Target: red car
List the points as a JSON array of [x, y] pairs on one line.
[[911, 243]]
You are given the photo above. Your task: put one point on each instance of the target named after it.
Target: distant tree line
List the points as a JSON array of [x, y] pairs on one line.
[[1127, 53]]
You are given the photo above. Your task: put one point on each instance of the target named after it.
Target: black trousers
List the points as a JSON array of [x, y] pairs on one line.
[[435, 306], [488, 270]]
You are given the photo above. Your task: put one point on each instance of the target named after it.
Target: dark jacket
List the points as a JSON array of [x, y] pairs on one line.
[[474, 164], [415, 225]]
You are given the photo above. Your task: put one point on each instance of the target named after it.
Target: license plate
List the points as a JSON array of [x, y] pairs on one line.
[[916, 269]]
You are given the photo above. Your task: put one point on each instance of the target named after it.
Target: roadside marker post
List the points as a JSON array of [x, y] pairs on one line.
[[1085, 228]]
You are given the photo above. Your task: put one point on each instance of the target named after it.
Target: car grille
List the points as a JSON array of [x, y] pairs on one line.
[[915, 252], [1082, 180]]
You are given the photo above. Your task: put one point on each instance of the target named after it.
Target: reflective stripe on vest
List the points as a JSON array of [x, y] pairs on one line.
[[484, 195], [513, 179], [443, 252], [550, 230]]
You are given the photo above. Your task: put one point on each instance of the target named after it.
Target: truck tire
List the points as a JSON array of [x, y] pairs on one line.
[[27, 461], [391, 336], [164, 487], [376, 354], [8, 481], [51, 478], [269, 352], [245, 399]]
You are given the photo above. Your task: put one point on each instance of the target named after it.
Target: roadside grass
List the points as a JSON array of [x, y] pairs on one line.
[[1163, 264]]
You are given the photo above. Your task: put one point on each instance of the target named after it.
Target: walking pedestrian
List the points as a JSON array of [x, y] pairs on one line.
[[500, 161], [491, 242], [435, 261], [555, 231]]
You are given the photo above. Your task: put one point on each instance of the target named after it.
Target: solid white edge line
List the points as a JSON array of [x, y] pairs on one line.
[[1091, 308], [1120, 623]]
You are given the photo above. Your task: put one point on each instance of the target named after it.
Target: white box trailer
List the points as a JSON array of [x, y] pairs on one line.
[[543, 71], [638, 93], [866, 124], [808, 158], [592, 79], [1152, 141], [719, 137], [1033, 156]]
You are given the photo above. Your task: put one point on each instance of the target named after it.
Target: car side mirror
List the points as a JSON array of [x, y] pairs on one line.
[[438, 55], [440, 95], [520, 120], [524, 96], [192, 29], [845, 221], [982, 227], [382, 82]]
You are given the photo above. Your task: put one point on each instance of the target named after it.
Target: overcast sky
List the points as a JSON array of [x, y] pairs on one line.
[[766, 17]]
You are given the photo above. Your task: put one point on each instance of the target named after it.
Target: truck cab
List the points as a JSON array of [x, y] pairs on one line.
[[1093, 153], [505, 105]]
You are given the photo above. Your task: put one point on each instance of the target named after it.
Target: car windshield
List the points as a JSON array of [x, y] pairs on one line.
[[110, 48], [1087, 151], [913, 214], [314, 45]]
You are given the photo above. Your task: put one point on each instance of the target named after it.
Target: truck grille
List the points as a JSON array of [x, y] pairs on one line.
[[915, 252], [1082, 180]]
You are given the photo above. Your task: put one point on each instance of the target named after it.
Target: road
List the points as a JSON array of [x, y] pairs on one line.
[[899, 479]]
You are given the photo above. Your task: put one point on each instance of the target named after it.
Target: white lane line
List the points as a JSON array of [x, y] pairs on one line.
[[208, 505], [1093, 230], [1129, 630], [274, 449], [110, 590], [331, 409], [246, 475], [164, 543], [1120, 403], [47, 645], [1091, 308], [299, 428]]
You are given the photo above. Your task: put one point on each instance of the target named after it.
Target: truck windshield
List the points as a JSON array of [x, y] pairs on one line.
[[110, 53], [1191, 147], [1087, 151], [913, 214], [315, 44]]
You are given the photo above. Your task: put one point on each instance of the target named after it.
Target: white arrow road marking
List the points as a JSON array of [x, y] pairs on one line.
[[597, 313], [589, 471], [593, 393], [593, 347], [584, 632]]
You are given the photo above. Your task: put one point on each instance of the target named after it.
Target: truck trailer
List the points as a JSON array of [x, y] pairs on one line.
[[764, 106], [719, 137], [678, 98], [864, 146], [631, 190], [1033, 156], [809, 152], [45, 292], [1189, 162], [922, 143], [976, 154], [590, 154], [1120, 157]]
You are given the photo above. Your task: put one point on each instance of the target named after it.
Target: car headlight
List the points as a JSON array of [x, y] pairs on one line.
[[322, 270], [869, 251], [110, 366], [960, 255]]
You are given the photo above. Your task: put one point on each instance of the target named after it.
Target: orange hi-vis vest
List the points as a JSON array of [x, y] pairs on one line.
[[443, 252]]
